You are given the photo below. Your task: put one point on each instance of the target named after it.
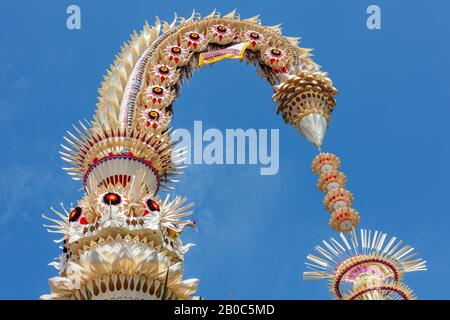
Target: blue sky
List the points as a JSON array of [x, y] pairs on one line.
[[390, 129]]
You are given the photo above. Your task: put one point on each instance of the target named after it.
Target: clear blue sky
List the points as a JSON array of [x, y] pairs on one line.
[[390, 129]]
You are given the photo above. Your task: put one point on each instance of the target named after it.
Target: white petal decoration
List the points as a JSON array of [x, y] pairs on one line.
[[313, 127]]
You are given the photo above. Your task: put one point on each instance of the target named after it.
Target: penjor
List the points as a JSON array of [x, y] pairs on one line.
[[123, 238]]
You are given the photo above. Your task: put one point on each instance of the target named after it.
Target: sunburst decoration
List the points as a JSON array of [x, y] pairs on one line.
[[100, 155], [360, 267]]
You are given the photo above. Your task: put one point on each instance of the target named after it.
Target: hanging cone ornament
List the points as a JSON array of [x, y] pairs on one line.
[[313, 128], [306, 100]]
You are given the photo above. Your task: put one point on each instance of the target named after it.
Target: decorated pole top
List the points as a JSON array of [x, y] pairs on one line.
[[122, 239]]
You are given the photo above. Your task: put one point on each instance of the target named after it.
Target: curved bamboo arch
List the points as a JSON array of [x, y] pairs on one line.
[[124, 82], [136, 97], [134, 84]]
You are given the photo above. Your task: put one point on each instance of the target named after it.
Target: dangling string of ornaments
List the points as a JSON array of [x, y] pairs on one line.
[[359, 268], [338, 200]]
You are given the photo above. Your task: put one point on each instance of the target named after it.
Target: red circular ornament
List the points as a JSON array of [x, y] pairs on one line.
[[157, 90], [194, 36], [254, 35], [164, 70], [221, 28], [153, 115], [112, 198], [276, 52], [176, 50], [75, 214], [152, 205]]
